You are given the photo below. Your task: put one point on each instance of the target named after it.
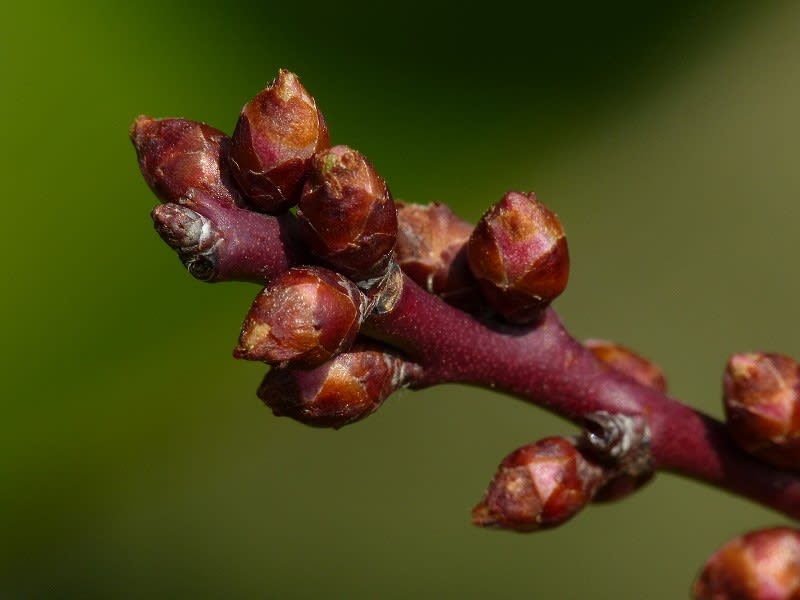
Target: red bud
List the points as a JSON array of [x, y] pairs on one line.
[[179, 157], [345, 389], [348, 213], [538, 486], [277, 134], [518, 253], [762, 565], [431, 250], [761, 393], [306, 316]]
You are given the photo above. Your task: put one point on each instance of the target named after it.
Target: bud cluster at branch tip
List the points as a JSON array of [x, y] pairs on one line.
[[431, 250], [538, 486], [518, 253], [761, 394], [304, 317], [348, 214], [761, 565], [345, 389], [277, 134]]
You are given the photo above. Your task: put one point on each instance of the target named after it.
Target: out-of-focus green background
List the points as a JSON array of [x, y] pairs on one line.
[[135, 459]]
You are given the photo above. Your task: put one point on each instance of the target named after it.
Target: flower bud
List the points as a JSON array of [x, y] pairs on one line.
[[305, 316], [538, 486], [518, 253], [178, 157], [348, 213], [431, 250], [345, 389], [761, 565], [277, 134], [761, 393], [629, 363]]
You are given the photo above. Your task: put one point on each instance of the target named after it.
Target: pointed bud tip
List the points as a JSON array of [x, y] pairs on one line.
[[481, 517], [142, 125]]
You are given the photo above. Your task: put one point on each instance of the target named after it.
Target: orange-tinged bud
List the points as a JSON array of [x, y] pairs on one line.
[[277, 134], [626, 361], [761, 565], [518, 253], [431, 250], [345, 389], [348, 213], [305, 316], [761, 393], [538, 486]]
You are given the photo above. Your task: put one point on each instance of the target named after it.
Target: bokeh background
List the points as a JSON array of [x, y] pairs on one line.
[[135, 459]]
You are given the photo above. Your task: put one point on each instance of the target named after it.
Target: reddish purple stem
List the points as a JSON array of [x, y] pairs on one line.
[[542, 364], [548, 367]]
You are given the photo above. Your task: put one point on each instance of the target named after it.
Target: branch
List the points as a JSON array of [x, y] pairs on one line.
[[542, 364]]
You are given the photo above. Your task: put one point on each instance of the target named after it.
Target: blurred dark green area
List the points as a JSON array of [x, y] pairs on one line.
[[135, 460]]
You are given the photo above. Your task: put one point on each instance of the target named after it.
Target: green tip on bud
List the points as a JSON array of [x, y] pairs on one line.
[[539, 486], [518, 253], [761, 395], [303, 318], [761, 565], [345, 389], [277, 134], [348, 214]]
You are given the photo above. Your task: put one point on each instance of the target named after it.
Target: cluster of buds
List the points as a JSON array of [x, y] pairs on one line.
[[360, 295], [225, 198]]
